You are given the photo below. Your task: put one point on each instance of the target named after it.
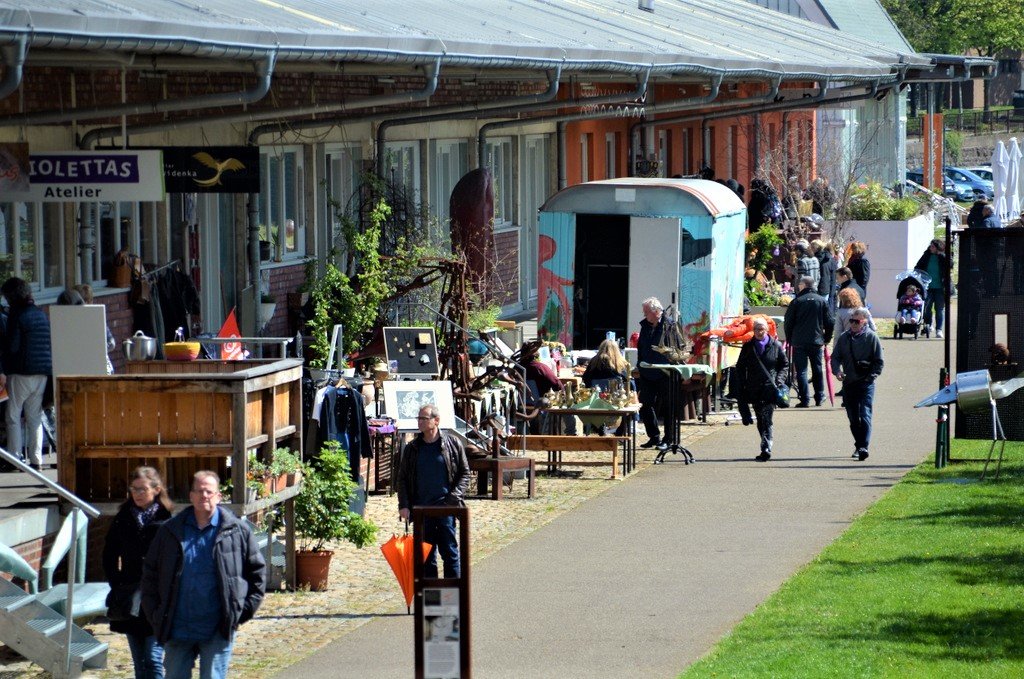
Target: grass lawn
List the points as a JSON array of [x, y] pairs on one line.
[[929, 582]]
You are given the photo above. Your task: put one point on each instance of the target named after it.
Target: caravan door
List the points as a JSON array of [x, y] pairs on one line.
[[653, 263]]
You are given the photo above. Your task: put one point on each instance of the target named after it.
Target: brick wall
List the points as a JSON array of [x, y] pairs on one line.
[[505, 276], [284, 280]]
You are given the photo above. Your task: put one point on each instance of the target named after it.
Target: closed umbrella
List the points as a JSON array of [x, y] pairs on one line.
[[399, 554], [1013, 180], [1000, 165]]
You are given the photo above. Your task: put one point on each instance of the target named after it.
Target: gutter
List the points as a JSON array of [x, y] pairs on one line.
[[14, 58], [264, 71]]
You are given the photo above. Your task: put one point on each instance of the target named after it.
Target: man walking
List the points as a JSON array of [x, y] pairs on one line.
[[808, 324], [650, 382], [203, 577], [434, 471], [857, 362]]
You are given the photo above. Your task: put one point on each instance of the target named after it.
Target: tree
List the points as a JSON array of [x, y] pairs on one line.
[[958, 26]]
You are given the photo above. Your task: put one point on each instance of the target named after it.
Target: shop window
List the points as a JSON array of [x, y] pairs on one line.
[[449, 163], [499, 160], [281, 205], [32, 244]]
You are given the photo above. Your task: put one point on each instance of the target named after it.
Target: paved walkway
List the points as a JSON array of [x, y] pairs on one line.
[[645, 578]]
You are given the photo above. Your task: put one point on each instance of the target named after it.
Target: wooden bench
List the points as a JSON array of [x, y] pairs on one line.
[[556, 444], [496, 467]]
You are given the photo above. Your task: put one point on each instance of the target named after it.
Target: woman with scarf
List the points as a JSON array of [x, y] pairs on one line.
[[760, 372], [127, 541]]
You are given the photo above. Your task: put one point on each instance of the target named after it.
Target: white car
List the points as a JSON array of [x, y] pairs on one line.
[[984, 172]]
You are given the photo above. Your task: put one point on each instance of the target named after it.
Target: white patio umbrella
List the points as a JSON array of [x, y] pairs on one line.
[[1013, 180], [1000, 166]]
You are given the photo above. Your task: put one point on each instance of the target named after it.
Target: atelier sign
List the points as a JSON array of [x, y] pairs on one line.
[[95, 176]]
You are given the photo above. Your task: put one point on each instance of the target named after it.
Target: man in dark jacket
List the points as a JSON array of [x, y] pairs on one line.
[[844, 279], [809, 324], [857, 362], [203, 577], [651, 381], [27, 366], [760, 371], [934, 263], [826, 272], [434, 472]]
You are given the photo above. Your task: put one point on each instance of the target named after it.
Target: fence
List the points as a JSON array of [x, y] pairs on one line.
[[975, 122]]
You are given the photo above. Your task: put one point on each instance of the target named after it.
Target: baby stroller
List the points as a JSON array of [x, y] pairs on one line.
[[920, 280]]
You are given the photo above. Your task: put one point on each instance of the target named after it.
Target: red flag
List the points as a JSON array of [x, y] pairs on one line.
[[231, 351]]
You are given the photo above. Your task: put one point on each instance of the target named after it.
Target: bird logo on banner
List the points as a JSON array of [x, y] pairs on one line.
[[219, 165]]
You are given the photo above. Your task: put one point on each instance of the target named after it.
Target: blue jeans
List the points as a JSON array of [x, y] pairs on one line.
[[440, 532], [857, 399], [802, 355], [214, 657], [147, 656], [936, 299]]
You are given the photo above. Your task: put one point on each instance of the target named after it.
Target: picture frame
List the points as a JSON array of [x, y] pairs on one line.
[[404, 398]]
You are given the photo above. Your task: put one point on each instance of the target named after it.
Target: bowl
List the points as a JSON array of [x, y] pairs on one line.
[[181, 351]]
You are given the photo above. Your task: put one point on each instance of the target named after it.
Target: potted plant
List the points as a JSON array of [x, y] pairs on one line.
[[285, 468], [322, 515]]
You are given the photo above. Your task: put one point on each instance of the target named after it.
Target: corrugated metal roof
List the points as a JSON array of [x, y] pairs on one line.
[[584, 35], [865, 19]]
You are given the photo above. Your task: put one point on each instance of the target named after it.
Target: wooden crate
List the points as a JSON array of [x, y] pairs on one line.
[[177, 416]]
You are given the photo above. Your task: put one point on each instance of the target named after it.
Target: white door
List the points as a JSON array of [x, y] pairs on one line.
[[654, 246]]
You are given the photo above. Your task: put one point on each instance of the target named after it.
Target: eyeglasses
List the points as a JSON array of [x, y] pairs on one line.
[[856, 320], [138, 489], [431, 417]]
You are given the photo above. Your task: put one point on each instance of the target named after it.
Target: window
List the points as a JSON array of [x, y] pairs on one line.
[[664, 152], [584, 158], [611, 155], [499, 160], [450, 163], [342, 170], [281, 207], [32, 243]]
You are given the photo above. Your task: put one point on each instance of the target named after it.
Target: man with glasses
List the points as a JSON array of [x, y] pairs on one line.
[[203, 577], [857, 362], [434, 472]]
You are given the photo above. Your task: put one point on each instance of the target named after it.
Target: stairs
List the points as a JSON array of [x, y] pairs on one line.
[[38, 632]]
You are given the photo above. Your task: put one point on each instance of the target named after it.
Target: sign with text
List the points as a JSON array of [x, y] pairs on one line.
[[212, 169], [95, 176]]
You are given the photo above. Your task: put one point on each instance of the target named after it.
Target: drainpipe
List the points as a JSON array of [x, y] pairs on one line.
[[264, 71], [563, 181], [638, 94], [14, 58]]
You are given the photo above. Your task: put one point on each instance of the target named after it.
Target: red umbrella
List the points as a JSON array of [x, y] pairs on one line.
[[398, 551], [828, 378]]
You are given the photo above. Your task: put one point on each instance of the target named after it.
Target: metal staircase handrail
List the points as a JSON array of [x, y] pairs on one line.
[[91, 512]]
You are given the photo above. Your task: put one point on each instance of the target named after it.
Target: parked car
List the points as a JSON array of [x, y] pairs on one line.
[[961, 175], [950, 188], [983, 172]]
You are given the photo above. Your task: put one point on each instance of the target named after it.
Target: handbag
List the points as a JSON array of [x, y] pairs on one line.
[[120, 602]]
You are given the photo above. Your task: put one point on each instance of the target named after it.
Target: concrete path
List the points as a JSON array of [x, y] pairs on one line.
[[645, 578]]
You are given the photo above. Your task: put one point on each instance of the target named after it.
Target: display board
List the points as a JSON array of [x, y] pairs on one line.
[[411, 351], [404, 398], [78, 337]]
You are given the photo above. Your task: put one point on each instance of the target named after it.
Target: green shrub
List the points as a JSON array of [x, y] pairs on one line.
[[760, 247], [954, 143], [322, 510], [872, 202]]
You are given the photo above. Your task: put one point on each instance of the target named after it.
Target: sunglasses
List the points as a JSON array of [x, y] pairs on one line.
[[856, 320]]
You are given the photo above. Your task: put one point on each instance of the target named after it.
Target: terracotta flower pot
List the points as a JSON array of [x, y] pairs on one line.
[[312, 569]]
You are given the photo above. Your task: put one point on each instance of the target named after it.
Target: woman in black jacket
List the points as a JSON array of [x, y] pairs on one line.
[[127, 542], [934, 263], [760, 371], [859, 266]]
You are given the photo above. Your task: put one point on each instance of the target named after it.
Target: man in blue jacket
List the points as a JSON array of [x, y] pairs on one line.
[[27, 365], [203, 577]]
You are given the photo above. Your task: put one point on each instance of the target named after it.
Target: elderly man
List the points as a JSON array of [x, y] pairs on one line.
[[203, 577], [650, 383], [434, 471], [857, 362], [760, 371], [809, 324]]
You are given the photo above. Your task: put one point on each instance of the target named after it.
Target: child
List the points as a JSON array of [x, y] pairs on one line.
[[909, 309]]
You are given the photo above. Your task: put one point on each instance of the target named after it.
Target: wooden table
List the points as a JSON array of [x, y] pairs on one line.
[[627, 413]]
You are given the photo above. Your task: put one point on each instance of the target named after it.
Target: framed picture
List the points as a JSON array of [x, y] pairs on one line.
[[403, 400]]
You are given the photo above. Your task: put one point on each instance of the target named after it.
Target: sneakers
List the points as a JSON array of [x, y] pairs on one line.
[[862, 454], [653, 443], [938, 334], [763, 457]]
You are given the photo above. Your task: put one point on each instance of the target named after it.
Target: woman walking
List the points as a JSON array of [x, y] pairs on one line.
[[935, 264], [760, 372], [848, 301], [127, 541]]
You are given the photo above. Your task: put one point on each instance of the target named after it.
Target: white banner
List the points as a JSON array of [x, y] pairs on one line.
[[70, 176]]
